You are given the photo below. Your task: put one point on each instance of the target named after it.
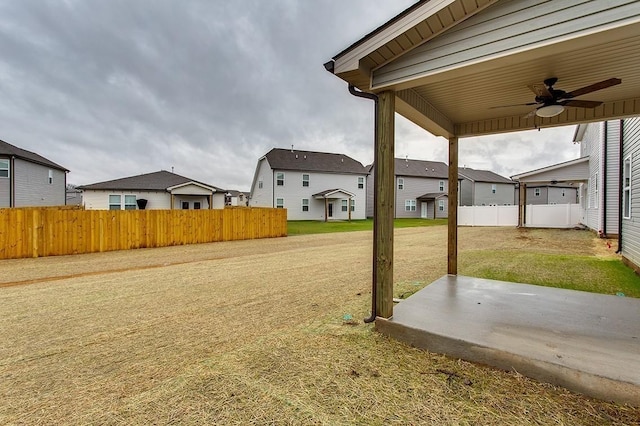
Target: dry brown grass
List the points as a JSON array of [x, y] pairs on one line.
[[254, 332]]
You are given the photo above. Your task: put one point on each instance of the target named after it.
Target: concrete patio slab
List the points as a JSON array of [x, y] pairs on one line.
[[586, 342]]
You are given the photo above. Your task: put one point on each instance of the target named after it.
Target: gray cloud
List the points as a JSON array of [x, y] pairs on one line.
[[114, 88]]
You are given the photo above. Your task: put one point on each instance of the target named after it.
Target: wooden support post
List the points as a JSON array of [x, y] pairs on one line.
[[326, 209], [383, 222], [522, 202], [452, 221], [172, 201], [349, 208]]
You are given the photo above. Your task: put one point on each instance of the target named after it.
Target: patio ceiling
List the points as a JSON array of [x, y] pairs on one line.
[[454, 65]]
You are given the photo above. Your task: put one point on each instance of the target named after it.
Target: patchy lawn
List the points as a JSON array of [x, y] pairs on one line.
[[266, 332], [305, 227]]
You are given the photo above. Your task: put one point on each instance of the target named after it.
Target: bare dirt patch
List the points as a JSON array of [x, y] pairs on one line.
[[252, 332]]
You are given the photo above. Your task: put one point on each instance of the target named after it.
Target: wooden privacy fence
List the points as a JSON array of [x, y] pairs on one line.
[[35, 232]]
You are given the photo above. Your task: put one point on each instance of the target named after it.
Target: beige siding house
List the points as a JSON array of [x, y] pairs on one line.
[[156, 191], [28, 179]]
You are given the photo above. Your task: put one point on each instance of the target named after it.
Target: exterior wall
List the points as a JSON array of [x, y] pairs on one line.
[[99, 199], [630, 240], [191, 200], [370, 187], [485, 197], [414, 187], [5, 188], [293, 193], [543, 198], [610, 177], [465, 193], [591, 145], [32, 187], [507, 29], [560, 195], [262, 197]]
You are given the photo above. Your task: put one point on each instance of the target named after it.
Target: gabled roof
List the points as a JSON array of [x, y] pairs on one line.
[[6, 149], [483, 176], [329, 192], [433, 196], [551, 168], [311, 161], [421, 168], [156, 181]]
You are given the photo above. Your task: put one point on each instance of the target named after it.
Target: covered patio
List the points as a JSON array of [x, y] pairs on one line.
[[463, 68]]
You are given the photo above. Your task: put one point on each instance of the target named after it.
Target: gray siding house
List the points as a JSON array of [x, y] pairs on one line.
[[161, 190], [28, 179], [485, 188], [629, 238], [552, 194], [421, 189], [310, 185]]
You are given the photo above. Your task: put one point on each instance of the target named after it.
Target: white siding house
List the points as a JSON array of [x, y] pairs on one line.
[[30, 180], [310, 185], [161, 190]]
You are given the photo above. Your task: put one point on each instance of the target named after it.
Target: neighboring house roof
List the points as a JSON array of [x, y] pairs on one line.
[[483, 176], [13, 151], [421, 168], [156, 181], [311, 161]]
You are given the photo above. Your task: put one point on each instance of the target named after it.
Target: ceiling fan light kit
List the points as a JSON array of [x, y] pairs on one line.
[[549, 111]]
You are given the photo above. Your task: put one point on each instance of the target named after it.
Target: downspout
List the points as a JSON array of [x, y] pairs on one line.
[[374, 277], [620, 185], [604, 180]]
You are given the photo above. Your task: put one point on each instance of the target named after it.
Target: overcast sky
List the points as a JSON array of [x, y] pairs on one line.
[[115, 88]]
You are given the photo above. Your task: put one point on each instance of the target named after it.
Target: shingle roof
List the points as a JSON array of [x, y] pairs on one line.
[[12, 150], [156, 181], [421, 168], [287, 159], [432, 196], [483, 176]]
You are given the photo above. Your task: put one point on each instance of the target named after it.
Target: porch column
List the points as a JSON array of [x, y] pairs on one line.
[[452, 221], [211, 201], [349, 209], [522, 202], [171, 201], [383, 218], [326, 209]]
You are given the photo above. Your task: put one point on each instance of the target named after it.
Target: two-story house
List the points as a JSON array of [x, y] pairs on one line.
[[485, 188], [421, 189], [28, 179], [310, 185]]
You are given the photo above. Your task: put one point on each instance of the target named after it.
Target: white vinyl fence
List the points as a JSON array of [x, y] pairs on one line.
[[537, 216]]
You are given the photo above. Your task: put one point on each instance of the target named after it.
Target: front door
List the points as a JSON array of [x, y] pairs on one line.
[[330, 210], [423, 210]]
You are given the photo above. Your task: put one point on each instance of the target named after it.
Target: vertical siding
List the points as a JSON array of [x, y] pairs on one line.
[[612, 184], [631, 226], [32, 187], [370, 187]]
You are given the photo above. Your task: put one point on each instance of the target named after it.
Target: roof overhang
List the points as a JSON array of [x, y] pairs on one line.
[[573, 171], [333, 193], [191, 188], [454, 64]]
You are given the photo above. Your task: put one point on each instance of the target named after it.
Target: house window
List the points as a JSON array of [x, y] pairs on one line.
[[410, 205], [279, 203], [626, 189], [493, 188], [305, 204], [197, 205], [360, 182], [259, 184], [185, 205], [114, 202], [441, 205], [130, 202], [400, 183], [305, 180], [536, 192], [345, 206], [50, 176], [4, 168], [280, 179], [441, 186], [353, 205]]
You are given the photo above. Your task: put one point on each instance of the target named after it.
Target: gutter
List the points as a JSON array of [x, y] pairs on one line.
[[374, 277], [604, 179]]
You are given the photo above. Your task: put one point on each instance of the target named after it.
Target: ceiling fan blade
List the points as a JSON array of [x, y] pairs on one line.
[[592, 88], [540, 90], [532, 113], [581, 104]]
